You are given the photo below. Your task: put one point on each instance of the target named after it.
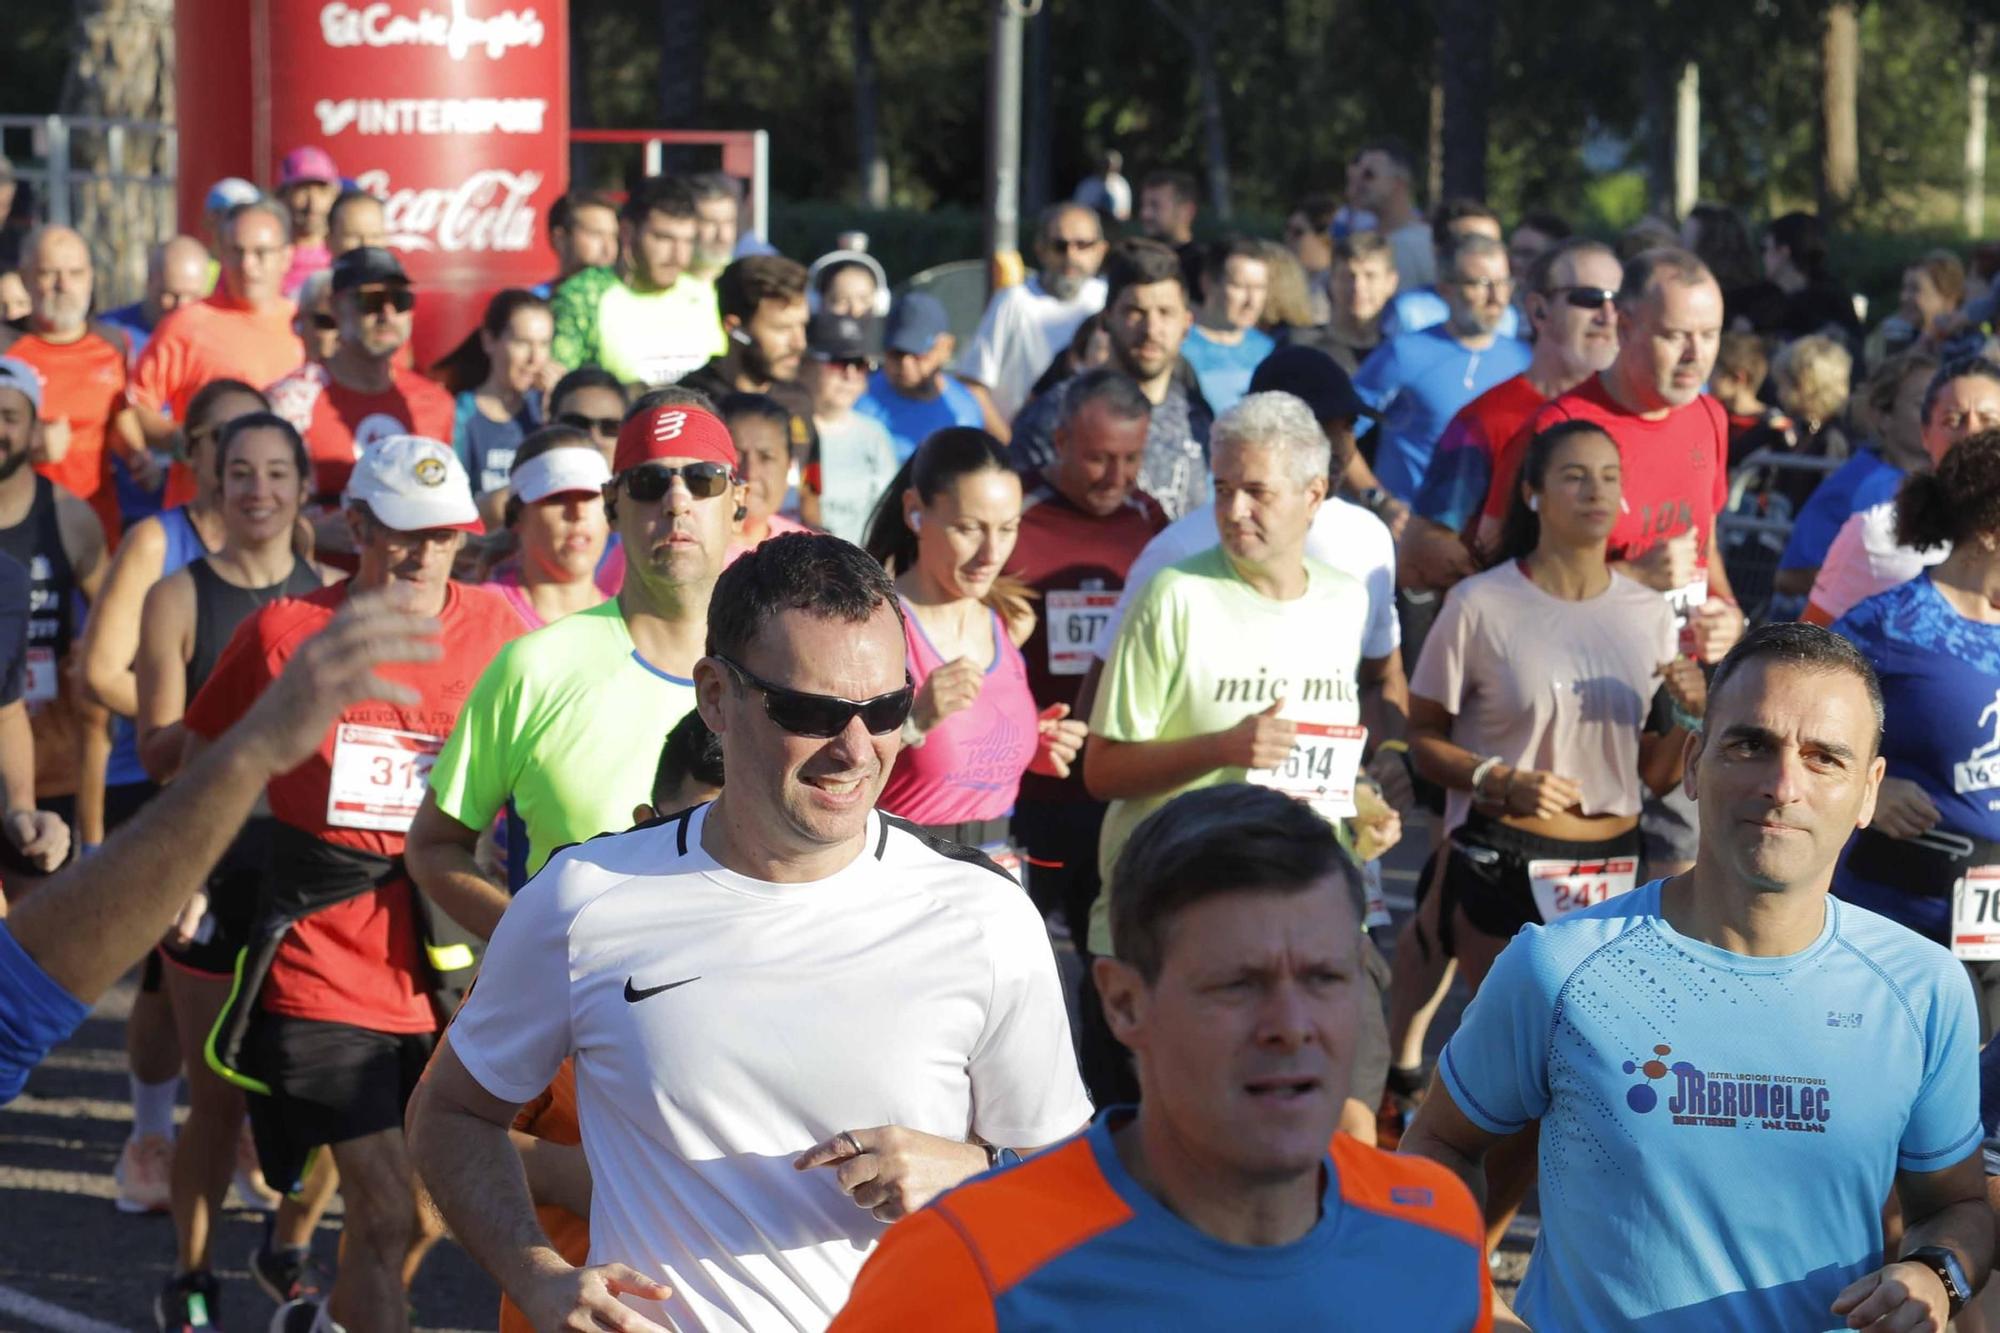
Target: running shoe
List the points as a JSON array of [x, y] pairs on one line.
[[251, 1191], [191, 1301], [144, 1174], [300, 1317], [287, 1276]]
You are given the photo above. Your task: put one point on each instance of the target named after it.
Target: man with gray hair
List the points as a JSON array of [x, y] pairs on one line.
[[1419, 380], [1027, 324], [1242, 662], [242, 331]]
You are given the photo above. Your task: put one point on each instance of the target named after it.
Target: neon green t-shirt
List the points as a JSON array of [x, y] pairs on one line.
[[641, 337], [1200, 651], [568, 721]]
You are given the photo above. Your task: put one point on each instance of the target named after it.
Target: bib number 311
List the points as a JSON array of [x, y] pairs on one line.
[[378, 777]]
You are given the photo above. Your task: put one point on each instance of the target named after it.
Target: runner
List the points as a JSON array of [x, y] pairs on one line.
[[761, 429], [591, 400], [748, 1198], [555, 509], [51, 971], [1248, 656], [1935, 643], [648, 320], [911, 396], [1963, 399], [564, 725], [944, 529], [496, 376], [242, 331], [188, 616], [334, 1015], [856, 457], [1673, 440], [1027, 324], [1224, 346], [1229, 1167], [1082, 526], [1716, 1056], [1534, 706]]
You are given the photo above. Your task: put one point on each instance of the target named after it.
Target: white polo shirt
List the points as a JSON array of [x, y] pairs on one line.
[[722, 1025]]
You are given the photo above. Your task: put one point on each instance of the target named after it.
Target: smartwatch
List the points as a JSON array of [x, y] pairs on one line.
[[996, 1157], [1944, 1263]]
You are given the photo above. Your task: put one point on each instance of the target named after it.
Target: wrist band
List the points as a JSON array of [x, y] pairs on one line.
[[1481, 769], [1393, 747]]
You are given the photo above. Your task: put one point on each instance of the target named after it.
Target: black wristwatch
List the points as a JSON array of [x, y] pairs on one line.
[[1950, 1272]]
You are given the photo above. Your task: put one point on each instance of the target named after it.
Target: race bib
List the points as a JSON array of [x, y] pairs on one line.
[[1077, 621], [42, 683], [1975, 915], [1685, 601], [1562, 887], [378, 777], [1320, 769]]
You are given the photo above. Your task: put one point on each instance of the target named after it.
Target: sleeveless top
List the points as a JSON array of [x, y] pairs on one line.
[[220, 606], [184, 547], [970, 765], [36, 541]]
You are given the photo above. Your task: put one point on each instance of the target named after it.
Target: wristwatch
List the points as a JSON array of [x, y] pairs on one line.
[[1944, 1263], [997, 1156]]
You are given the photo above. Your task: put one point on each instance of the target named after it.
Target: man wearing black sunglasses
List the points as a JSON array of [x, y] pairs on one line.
[[359, 395], [794, 1019]]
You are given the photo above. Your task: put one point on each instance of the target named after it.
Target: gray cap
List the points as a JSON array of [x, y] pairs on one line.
[[916, 322]]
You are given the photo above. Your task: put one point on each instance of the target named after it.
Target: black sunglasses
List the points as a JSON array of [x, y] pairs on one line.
[[324, 323], [604, 426], [1585, 298], [400, 299], [652, 481], [823, 716]]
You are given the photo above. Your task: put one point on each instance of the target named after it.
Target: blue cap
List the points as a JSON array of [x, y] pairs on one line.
[[916, 323], [228, 192]]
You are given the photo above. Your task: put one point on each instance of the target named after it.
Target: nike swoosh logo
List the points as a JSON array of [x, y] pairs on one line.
[[633, 994]]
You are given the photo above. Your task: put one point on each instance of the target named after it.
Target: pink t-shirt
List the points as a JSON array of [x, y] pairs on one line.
[[1558, 686], [970, 765], [506, 580]]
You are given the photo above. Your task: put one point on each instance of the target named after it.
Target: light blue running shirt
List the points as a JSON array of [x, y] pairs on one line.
[[1718, 1131]]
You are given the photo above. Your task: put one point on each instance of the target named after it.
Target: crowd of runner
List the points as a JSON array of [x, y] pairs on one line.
[[844, 758]]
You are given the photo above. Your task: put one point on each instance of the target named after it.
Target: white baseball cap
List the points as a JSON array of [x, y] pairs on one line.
[[19, 375], [560, 471], [413, 484]]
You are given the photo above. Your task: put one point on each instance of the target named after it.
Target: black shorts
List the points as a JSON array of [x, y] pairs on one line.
[[330, 1083], [1486, 871], [234, 891]]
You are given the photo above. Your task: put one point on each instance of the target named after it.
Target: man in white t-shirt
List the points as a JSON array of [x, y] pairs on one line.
[[1382, 181], [1028, 325], [793, 1019]]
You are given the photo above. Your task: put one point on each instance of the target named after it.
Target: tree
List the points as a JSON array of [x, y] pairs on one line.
[[1198, 23], [867, 101], [121, 69]]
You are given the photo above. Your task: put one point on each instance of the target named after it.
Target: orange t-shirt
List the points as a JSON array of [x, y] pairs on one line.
[[552, 1116], [219, 338], [83, 381]]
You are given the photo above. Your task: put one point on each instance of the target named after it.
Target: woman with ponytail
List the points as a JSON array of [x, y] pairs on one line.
[[944, 529], [1935, 643], [497, 376]]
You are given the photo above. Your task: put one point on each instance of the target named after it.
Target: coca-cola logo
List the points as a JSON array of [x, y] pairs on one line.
[[489, 211], [460, 33]]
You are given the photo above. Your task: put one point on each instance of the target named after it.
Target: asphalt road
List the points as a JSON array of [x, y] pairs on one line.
[[70, 1263]]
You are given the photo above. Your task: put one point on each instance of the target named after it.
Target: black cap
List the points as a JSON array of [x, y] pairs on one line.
[[367, 265], [1308, 373], [831, 337]]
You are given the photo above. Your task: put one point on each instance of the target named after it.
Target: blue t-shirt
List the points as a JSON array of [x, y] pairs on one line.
[[911, 421], [1832, 502], [1940, 678], [1224, 370], [1424, 308], [35, 1014], [1718, 1131], [486, 446], [1418, 382]]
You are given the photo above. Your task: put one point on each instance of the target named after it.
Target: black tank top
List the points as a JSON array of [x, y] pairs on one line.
[[36, 541], [220, 606]]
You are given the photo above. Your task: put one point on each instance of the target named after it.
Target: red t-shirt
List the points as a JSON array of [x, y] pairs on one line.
[[358, 962], [219, 338], [1078, 563], [83, 381], [1458, 485], [1676, 469], [339, 422]]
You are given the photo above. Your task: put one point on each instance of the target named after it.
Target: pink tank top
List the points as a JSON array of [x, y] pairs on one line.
[[970, 765]]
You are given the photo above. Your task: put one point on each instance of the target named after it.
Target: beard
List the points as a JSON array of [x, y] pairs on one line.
[[13, 461], [1063, 286]]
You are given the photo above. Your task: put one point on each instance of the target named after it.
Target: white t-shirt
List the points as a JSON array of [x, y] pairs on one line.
[[1022, 331], [1865, 559], [1343, 535], [722, 1025]]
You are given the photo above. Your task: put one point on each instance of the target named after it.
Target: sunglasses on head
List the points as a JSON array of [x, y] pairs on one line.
[[823, 716], [604, 426], [652, 481], [1585, 298], [399, 299]]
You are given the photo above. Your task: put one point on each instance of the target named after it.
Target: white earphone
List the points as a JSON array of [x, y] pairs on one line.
[[1534, 504], [739, 335], [916, 521]]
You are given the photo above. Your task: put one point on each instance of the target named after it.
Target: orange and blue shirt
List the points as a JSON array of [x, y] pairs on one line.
[[1069, 1240]]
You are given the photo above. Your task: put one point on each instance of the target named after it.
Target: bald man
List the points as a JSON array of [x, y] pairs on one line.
[[179, 272], [83, 367]]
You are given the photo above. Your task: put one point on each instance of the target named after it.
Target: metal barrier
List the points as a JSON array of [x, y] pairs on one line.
[[1752, 533], [113, 180]]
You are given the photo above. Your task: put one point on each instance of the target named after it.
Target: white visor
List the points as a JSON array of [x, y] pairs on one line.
[[573, 468]]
